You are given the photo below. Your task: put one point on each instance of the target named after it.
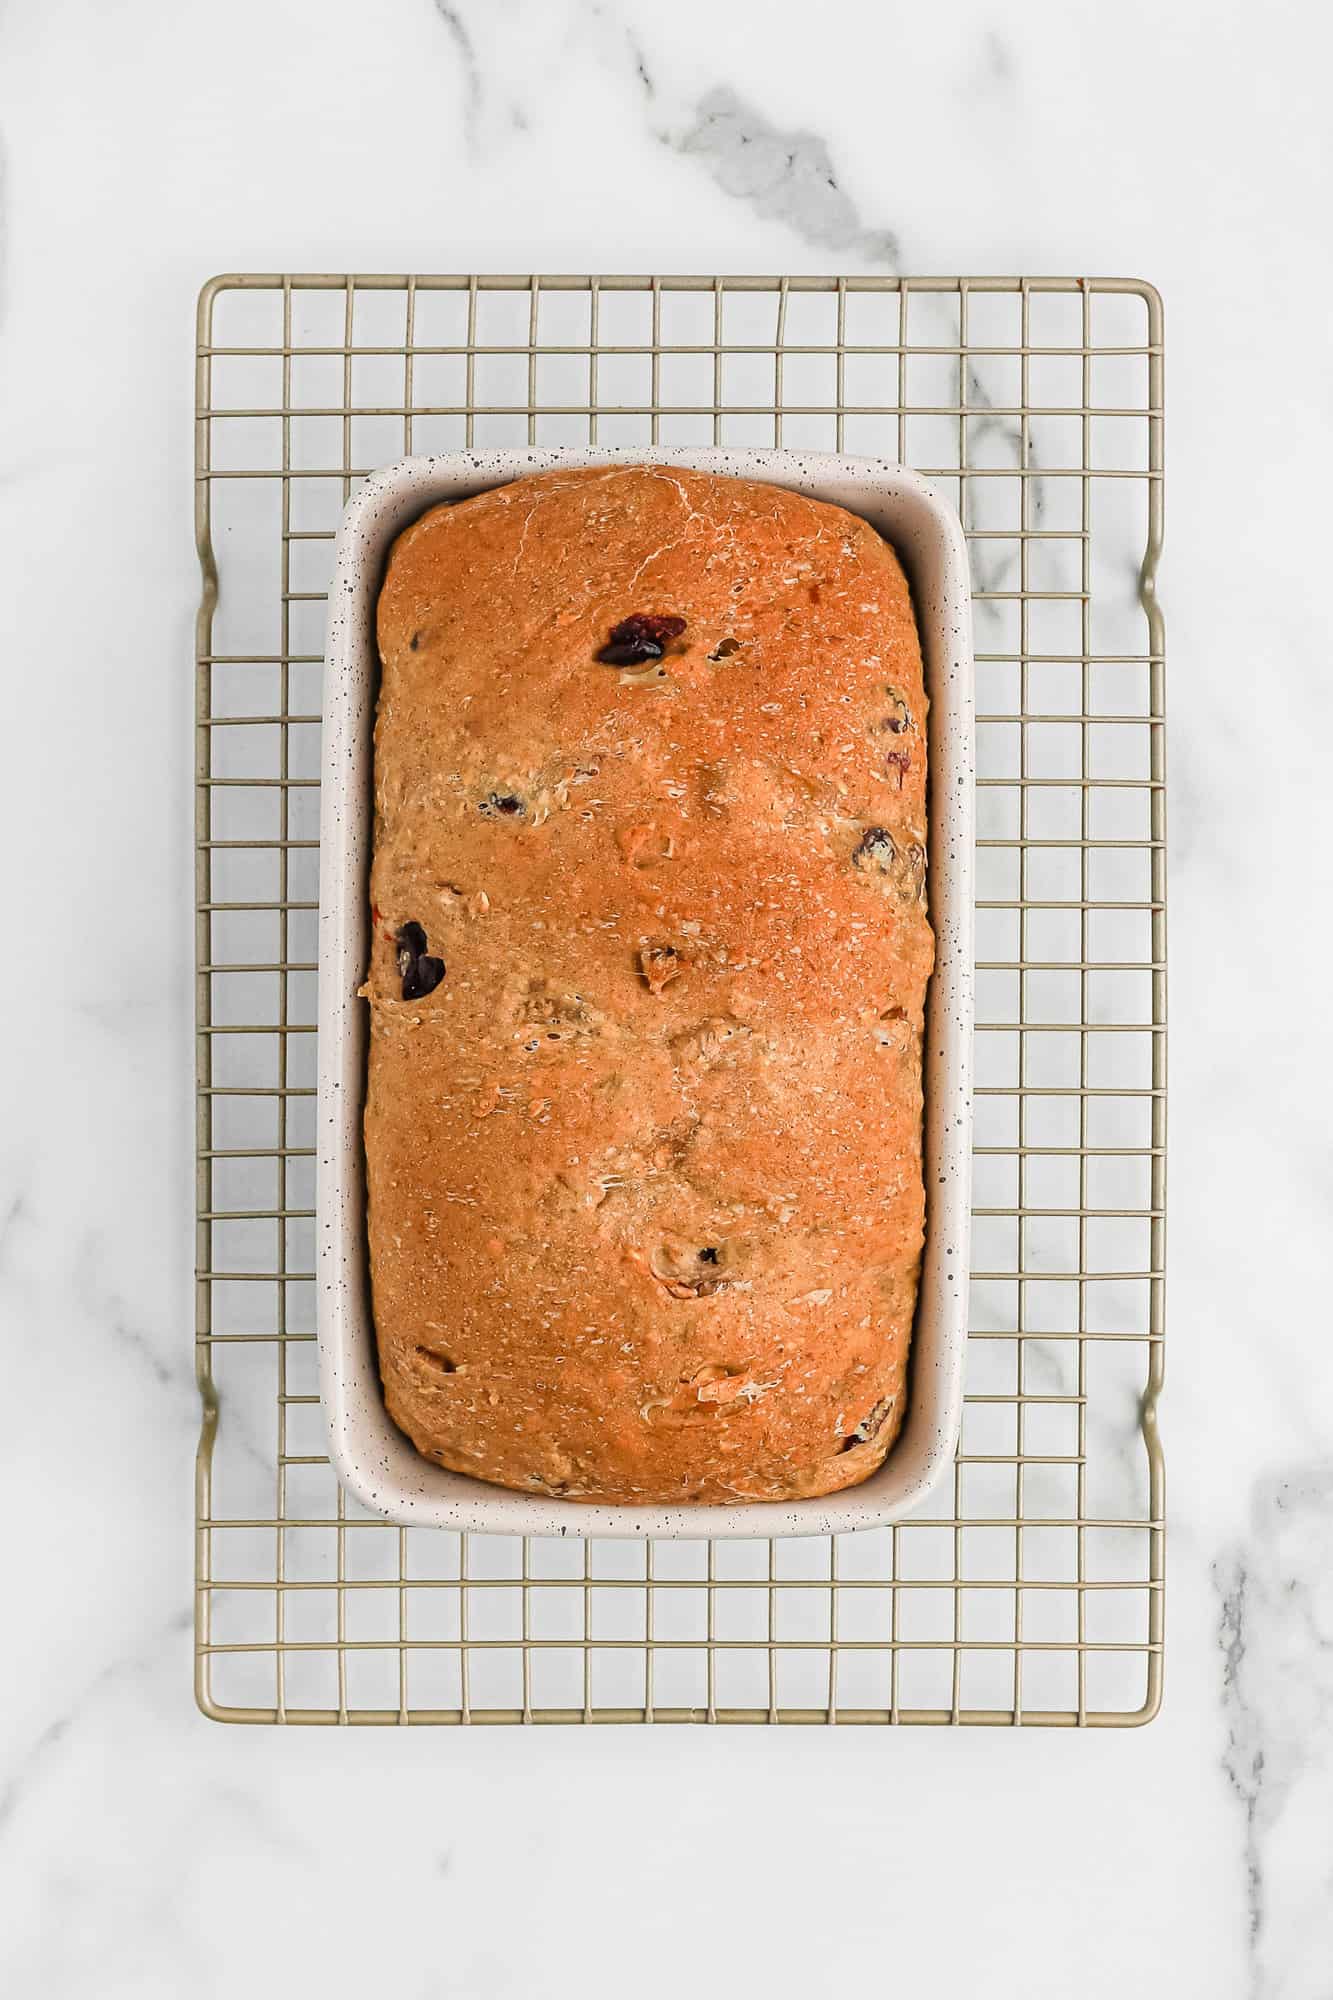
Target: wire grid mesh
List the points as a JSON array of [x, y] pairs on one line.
[[1031, 1590]]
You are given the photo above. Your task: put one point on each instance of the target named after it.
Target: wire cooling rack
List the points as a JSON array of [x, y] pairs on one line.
[[1031, 1590]]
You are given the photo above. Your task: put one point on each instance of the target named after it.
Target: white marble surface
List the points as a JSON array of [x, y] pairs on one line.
[[145, 1852]]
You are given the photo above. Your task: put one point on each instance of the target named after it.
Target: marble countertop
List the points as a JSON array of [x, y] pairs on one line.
[[146, 1852]]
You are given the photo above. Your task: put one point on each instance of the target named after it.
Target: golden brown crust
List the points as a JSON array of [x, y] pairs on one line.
[[645, 1166]]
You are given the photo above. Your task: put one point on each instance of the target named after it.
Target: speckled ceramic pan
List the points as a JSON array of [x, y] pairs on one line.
[[372, 1457]]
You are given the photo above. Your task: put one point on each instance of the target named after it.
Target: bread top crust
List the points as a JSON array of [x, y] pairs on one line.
[[645, 1164]]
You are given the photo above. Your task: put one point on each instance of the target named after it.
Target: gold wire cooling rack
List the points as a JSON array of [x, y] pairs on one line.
[[1031, 1590]]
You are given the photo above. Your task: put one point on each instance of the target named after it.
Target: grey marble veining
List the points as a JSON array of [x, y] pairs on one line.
[[1275, 1627], [468, 68], [786, 177]]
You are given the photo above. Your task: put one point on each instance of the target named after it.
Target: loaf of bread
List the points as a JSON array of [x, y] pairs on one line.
[[643, 1116]]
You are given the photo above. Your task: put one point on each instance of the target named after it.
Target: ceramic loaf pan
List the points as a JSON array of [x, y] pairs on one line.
[[372, 1458]]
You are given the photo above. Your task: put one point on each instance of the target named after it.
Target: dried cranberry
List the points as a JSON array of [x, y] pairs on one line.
[[870, 1425], [419, 973], [643, 636], [902, 715], [897, 761], [708, 1255], [875, 844], [661, 627], [501, 802], [424, 977], [630, 652]]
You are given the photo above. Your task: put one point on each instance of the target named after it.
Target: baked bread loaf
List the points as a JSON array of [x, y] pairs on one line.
[[643, 1118]]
